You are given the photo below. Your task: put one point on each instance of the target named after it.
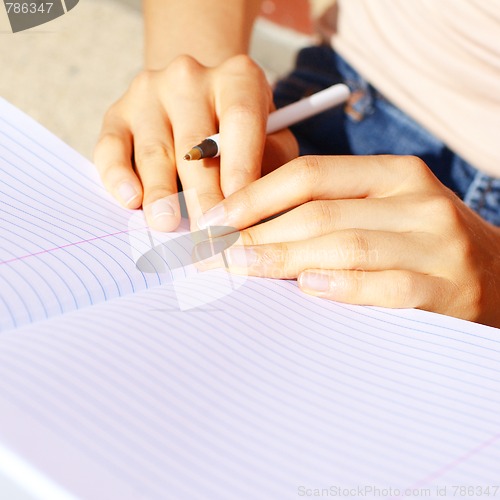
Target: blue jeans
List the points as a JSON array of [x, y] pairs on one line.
[[373, 125]]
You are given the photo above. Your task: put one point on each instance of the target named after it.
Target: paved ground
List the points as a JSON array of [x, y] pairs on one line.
[[67, 72]]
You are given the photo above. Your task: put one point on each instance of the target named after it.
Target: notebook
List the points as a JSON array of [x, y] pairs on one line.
[[126, 374]]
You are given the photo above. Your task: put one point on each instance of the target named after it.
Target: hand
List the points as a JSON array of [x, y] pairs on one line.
[[164, 113], [379, 230]]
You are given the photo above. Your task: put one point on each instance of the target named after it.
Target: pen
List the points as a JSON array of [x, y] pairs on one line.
[[281, 118]]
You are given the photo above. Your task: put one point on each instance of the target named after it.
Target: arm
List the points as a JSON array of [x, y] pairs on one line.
[[211, 31]]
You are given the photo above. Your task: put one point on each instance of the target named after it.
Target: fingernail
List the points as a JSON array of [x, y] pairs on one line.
[[162, 208], [214, 217], [127, 192], [316, 282], [162, 215], [241, 256]]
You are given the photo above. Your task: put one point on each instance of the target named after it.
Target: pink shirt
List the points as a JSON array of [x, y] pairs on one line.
[[438, 60]]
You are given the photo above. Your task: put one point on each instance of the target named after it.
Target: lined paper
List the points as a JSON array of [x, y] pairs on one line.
[[255, 395], [251, 390], [65, 243]]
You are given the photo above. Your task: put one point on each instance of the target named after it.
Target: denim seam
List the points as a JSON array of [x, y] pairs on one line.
[[476, 193], [485, 193]]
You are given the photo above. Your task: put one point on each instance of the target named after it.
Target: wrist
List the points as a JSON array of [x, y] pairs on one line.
[[211, 31]]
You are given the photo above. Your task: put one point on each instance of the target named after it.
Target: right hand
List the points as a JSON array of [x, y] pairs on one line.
[[146, 133]]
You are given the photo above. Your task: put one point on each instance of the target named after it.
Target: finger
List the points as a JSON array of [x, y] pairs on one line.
[[393, 288], [348, 249], [321, 217], [192, 120], [310, 178], [280, 148], [243, 102], [155, 165], [113, 159]]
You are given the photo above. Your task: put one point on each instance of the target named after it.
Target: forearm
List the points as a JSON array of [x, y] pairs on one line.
[[209, 30]]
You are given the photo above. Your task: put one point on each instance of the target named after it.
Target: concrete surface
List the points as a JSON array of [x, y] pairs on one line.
[[67, 72]]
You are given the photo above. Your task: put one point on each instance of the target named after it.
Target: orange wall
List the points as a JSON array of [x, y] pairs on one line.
[[293, 14]]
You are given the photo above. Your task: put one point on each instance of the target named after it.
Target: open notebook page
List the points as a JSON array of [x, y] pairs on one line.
[[265, 393], [65, 243]]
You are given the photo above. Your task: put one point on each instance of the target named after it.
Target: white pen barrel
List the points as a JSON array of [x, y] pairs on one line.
[[307, 107]]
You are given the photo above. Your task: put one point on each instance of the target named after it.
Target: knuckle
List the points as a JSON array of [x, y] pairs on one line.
[[245, 201], [142, 82], [109, 140], [415, 170], [404, 292], [464, 252], [243, 64], [307, 172], [242, 111], [444, 209], [153, 153], [415, 165], [250, 236], [322, 216], [113, 113], [358, 245], [275, 258], [241, 172], [184, 68]]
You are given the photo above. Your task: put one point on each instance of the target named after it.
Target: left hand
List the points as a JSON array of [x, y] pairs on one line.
[[146, 133], [375, 230]]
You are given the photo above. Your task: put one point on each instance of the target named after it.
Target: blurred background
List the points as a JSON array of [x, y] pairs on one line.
[[67, 72]]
